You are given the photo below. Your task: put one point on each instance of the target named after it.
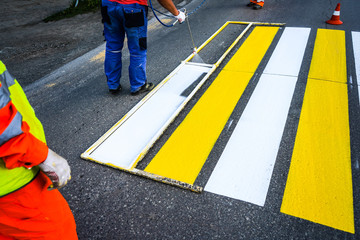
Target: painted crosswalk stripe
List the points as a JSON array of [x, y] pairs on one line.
[[319, 185], [184, 154], [244, 169], [122, 147], [356, 47]]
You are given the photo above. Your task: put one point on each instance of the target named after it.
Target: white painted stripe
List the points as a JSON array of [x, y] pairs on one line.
[[124, 145], [336, 13], [245, 167], [287, 60], [356, 47]]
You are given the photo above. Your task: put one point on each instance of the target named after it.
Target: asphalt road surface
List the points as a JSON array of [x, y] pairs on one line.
[[76, 109]]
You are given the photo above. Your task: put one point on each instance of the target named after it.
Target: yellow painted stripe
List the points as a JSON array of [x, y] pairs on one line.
[[330, 54], [248, 57], [186, 151], [319, 185]]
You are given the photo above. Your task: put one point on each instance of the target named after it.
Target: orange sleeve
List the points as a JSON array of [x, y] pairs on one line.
[[23, 149]]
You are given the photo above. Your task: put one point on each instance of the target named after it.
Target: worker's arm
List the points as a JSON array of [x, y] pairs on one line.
[[18, 147], [170, 6]]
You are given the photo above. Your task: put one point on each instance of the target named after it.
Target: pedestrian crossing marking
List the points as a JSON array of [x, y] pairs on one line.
[[356, 47], [330, 50], [245, 167], [319, 185], [126, 140], [323, 129], [184, 154], [249, 56]]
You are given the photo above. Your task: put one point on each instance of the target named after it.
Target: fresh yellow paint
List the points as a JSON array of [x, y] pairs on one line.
[[329, 60], [248, 57], [183, 155], [319, 185]]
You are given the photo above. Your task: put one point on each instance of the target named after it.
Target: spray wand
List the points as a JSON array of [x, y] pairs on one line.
[[196, 57]]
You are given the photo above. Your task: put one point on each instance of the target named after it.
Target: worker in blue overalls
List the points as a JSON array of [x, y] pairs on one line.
[[129, 17]]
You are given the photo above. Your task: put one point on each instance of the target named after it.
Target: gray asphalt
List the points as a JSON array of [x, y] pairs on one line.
[[76, 109]]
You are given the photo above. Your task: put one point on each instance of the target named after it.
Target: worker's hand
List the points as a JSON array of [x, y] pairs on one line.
[[181, 16], [57, 169]]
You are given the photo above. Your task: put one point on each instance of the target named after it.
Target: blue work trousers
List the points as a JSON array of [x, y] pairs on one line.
[[120, 19]]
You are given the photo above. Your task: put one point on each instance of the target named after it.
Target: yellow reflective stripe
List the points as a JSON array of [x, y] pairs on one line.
[[184, 154], [2, 67], [319, 185], [12, 180], [21, 103]]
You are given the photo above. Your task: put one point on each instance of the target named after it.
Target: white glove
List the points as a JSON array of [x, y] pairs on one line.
[[181, 16], [57, 169]]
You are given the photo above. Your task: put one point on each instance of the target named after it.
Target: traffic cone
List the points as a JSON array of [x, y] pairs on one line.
[[335, 19]]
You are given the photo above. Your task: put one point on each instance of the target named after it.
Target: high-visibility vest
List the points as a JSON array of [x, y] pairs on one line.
[[13, 179]]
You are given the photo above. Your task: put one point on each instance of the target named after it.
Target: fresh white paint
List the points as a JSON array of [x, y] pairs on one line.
[[123, 147]]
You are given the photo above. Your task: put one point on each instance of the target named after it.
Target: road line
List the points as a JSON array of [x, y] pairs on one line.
[[329, 51], [319, 185], [356, 47], [123, 146], [288, 55], [186, 151], [244, 169]]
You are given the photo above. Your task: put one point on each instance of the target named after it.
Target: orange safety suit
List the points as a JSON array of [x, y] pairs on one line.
[[28, 210], [258, 2]]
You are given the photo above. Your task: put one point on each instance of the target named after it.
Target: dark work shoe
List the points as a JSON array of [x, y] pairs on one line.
[[115, 91], [257, 7], [144, 88], [250, 4]]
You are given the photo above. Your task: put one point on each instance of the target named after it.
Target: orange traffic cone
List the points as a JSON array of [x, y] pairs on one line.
[[335, 19]]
